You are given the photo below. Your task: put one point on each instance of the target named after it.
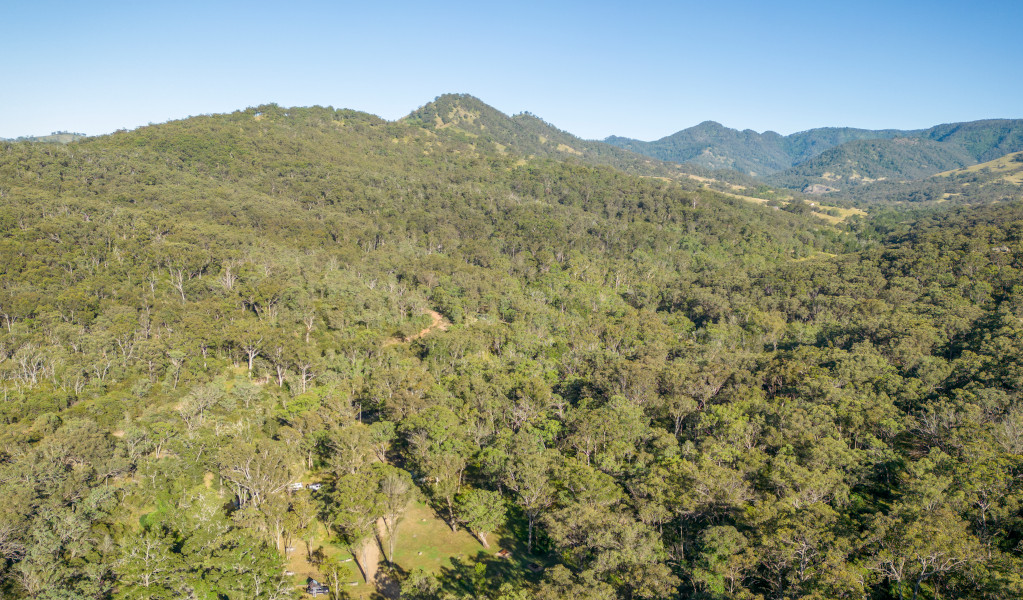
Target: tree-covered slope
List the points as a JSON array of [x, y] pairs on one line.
[[805, 145], [863, 162], [906, 159], [489, 131], [715, 146], [178, 298], [528, 135], [999, 180], [643, 391], [838, 158], [983, 140]]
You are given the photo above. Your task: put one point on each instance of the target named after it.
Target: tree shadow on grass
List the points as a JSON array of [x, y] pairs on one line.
[[485, 572], [465, 576], [513, 535], [388, 583]]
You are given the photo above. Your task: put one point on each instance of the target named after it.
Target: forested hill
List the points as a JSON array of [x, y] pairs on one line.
[[866, 161], [524, 134], [714, 146], [489, 131], [528, 135], [640, 390], [905, 159], [836, 157], [999, 180], [982, 140]]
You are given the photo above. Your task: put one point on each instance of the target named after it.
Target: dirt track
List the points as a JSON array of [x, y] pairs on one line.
[[437, 323]]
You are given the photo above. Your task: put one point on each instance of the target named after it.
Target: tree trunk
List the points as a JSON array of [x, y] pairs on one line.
[[452, 522], [529, 546]]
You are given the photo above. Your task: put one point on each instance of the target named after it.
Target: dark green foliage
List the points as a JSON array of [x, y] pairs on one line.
[[984, 140], [862, 162]]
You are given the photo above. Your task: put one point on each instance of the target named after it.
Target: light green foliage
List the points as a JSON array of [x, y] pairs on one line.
[[482, 511], [396, 491]]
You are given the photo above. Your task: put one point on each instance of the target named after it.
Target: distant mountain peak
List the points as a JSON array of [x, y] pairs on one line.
[[709, 125], [715, 146]]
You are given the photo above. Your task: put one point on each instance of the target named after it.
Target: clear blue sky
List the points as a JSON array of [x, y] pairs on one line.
[[636, 69]]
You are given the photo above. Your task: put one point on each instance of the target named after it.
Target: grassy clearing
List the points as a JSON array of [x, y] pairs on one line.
[[425, 541], [750, 199], [298, 563], [843, 214], [1005, 167], [814, 257], [475, 569]]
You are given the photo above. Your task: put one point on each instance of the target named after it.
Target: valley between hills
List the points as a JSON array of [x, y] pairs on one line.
[[466, 355]]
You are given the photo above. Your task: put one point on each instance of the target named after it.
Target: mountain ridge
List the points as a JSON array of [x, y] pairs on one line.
[[747, 150], [530, 135], [825, 156]]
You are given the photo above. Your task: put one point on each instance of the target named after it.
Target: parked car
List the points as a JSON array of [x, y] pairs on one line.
[[316, 588]]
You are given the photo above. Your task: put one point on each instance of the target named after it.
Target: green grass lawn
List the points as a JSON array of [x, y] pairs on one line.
[[425, 541], [453, 557]]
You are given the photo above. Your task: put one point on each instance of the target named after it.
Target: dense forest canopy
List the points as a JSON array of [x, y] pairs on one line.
[[640, 388]]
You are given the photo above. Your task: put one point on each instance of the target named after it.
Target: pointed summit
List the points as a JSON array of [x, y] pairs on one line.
[[524, 133], [468, 112]]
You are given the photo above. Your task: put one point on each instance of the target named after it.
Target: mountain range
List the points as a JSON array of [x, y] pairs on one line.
[[848, 164], [715, 146], [832, 158], [528, 135]]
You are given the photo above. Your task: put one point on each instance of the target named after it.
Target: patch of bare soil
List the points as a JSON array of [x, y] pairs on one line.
[[383, 579], [369, 559]]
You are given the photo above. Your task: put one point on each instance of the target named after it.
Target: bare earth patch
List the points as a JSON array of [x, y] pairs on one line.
[[437, 323]]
